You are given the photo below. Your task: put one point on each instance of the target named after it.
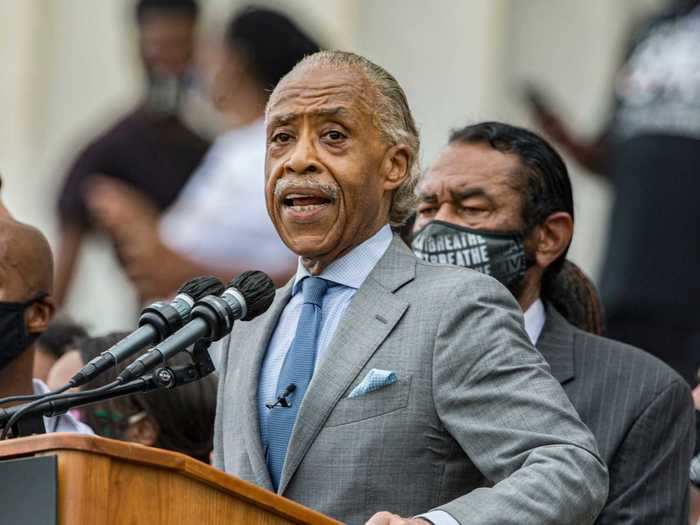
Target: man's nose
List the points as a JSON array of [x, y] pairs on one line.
[[303, 159]]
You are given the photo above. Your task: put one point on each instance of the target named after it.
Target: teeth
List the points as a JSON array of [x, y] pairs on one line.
[[308, 207], [297, 196]]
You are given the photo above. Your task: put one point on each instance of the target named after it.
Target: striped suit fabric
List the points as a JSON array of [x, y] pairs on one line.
[[641, 413]]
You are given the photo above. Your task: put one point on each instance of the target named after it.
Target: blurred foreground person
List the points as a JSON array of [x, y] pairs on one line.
[[181, 419], [219, 225], [498, 199], [376, 381], [26, 309], [151, 149], [60, 337], [650, 151]]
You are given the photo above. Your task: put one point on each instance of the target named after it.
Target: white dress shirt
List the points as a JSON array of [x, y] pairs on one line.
[[347, 274], [534, 320], [220, 219], [63, 423]]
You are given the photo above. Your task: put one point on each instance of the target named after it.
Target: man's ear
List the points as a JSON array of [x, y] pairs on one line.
[[396, 166], [552, 237], [38, 315]]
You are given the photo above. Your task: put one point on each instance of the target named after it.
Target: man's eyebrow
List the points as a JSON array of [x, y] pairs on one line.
[[286, 118], [470, 192], [427, 197]]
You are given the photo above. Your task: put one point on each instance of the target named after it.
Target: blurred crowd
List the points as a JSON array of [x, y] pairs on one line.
[[176, 204]]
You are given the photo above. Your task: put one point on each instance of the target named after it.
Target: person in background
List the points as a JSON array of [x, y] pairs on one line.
[[181, 419], [650, 152], [498, 199], [61, 335], [219, 224], [150, 149], [26, 309], [105, 418]]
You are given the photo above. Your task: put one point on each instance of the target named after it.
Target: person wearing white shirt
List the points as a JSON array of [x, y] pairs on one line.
[[498, 199], [63, 423], [220, 219]]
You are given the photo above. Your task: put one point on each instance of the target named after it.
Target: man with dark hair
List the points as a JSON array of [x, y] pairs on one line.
[[498, 199], [151, 150], [377, 382], [219, 224]]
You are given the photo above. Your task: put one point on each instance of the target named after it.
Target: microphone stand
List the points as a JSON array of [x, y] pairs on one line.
[[161, 379]]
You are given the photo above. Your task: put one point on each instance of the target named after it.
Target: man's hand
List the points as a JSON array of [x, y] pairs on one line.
[[387, 518]]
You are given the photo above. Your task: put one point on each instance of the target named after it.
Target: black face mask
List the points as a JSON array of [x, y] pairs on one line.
[[498, 254], [14, 338]]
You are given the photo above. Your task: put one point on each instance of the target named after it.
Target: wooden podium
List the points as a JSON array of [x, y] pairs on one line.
[[106, 482]]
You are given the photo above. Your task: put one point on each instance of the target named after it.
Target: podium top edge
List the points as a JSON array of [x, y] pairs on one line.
[[174, 461]]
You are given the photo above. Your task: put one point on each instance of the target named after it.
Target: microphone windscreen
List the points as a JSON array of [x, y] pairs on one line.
[[257, 289], [201, 287]]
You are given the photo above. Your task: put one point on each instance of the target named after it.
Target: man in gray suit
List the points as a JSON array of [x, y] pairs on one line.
[[507, 190], [377, 382]]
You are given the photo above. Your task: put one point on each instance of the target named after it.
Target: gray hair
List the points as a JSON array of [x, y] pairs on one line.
[[392, 118]]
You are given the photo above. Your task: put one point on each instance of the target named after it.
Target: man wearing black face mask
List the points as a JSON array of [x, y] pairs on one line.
[[498, 199], [26, 308]]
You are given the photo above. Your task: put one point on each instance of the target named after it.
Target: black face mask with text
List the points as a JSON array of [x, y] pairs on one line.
[[14, 338], [498, 254]]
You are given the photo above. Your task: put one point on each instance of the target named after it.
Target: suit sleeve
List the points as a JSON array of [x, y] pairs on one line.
[[495, 396], [649, 472]]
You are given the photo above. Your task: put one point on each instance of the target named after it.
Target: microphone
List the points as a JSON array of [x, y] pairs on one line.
[[247, 296], [282, 399], [157, 322]]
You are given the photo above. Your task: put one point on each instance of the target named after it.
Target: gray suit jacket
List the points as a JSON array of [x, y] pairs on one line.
[[641, 414], [475, 424]]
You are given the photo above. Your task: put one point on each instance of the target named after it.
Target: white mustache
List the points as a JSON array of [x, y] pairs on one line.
[[328, 190]]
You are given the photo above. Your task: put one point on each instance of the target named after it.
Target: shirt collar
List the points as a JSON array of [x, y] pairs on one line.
[[352, 269], [39, 387], [534, 320]]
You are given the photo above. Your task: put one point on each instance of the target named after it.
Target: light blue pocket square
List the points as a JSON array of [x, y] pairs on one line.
[[374, 380]]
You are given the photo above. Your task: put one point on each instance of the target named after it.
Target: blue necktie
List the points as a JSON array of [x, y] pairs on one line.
[[297, 369]]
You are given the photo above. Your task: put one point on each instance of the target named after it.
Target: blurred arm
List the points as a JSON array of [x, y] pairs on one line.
[[591, 154], [154, 268]]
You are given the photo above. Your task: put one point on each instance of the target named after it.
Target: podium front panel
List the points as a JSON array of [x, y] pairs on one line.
[[29, 491]]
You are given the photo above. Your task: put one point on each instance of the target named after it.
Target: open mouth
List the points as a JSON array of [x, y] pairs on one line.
[[303, 202]]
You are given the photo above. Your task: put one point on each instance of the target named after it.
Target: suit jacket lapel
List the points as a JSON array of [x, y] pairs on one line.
[[556, 344], [257, 345], [368, 320]]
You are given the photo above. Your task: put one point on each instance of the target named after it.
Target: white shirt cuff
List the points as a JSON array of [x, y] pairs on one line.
[[439, 517]]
